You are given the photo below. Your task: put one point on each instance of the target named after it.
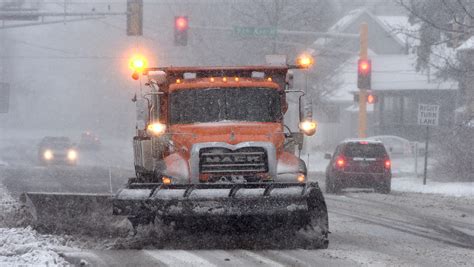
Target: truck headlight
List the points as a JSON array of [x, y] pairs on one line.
[[48, 154], [156, 128], [166, 180], [308, 127], [301, 178], [72, 154]]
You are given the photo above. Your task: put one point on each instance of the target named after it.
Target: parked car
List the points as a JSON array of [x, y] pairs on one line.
[[359, 163], [89, 141], [395, 145], [57, 150]]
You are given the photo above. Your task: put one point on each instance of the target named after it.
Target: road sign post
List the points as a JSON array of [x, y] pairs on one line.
[[4, 97], [428, 115], [364, 42]]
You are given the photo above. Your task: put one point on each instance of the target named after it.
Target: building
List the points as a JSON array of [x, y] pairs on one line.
[[395, 80]]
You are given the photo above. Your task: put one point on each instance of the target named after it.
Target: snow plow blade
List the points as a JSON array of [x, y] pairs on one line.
[[70, 212], [294, 205], [211, 199]]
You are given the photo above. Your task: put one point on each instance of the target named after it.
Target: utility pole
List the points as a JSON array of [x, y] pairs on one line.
[[364, 42]]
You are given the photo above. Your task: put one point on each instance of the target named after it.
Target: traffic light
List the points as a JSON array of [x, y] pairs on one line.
[[134, 17], [370, 98], [181, 25], [364, 73]]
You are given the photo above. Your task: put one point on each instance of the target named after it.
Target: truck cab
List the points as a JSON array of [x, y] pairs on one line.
[[217, 125]]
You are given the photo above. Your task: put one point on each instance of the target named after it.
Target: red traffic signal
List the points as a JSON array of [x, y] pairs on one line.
[[364, 73], [364, 66], [181, 25]]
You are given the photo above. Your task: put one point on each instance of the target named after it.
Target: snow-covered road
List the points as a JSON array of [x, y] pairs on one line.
[[368, 229]]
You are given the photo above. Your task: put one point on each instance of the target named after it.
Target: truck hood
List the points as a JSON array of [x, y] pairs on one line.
[[185, 136]]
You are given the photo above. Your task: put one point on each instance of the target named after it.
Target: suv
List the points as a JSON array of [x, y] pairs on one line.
[[89, 141], [359, 163]]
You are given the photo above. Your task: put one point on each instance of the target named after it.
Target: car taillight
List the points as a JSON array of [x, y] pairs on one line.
[[340, 162], [387, 164]]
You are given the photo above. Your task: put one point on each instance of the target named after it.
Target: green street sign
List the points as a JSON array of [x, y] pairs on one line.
[[248, 31]]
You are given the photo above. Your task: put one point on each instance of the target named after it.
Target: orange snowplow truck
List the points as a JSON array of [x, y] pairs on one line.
[[214, 147], [211, 150]]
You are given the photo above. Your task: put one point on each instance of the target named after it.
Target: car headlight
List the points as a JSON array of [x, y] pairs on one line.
[[72, 154], [48, 154]]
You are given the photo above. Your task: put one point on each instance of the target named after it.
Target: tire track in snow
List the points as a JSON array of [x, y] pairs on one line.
[[402, 226]]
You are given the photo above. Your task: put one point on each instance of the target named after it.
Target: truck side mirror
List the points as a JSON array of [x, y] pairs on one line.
[[142, 113], [327, 156], [289, 80]]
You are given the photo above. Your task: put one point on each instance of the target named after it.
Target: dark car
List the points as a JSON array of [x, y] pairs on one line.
[[57, 150], [359, 163], [89, 141]]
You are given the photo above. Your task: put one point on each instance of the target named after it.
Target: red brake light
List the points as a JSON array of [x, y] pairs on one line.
[[340, 162], [388, 164]]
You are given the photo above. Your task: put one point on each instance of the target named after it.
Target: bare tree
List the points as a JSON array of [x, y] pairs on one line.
[[444, 26]]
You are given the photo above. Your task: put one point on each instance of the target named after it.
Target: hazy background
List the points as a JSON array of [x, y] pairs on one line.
[[74, 76]]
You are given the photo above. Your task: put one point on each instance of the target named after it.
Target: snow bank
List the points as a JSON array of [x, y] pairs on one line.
[[415, 185], [24, 246], [315, 161]]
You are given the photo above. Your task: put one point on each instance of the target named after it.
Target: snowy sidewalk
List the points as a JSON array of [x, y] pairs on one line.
[[415, 185], [24, 246]]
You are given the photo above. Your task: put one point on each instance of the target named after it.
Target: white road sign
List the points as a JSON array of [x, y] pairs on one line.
[[428, 114]]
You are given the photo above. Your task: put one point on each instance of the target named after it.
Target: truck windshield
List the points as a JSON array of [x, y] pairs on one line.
[[225, 104]]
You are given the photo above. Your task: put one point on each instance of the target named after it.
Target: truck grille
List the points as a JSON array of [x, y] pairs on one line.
[[247, 160]]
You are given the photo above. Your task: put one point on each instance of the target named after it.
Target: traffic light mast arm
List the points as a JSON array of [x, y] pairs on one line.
[[3, 26], [287, 32], [4, 15]]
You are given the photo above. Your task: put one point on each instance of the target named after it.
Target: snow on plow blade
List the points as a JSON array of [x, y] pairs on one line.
[[249, 199], [71, 212]]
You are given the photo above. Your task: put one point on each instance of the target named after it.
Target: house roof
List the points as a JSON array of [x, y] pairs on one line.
[[400, 28], [467, 45], [389, 23], [389, 73]]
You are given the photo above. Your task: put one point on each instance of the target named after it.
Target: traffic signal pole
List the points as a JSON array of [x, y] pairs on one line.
[[364, 29]]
